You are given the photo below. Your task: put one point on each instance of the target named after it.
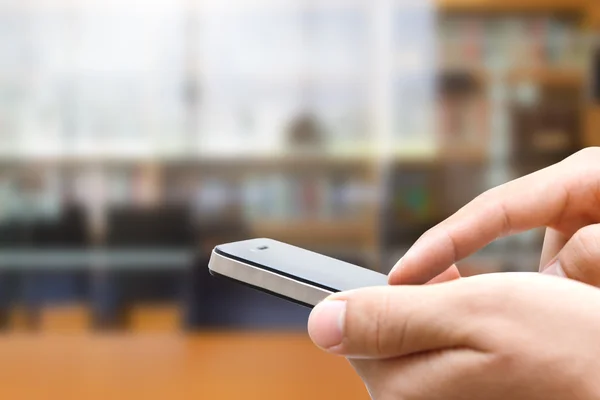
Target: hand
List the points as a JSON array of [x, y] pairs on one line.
[[496, 336], [565, 198]]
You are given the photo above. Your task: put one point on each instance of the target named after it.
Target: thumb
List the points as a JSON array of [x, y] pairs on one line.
[[393, 321], [579, 259]]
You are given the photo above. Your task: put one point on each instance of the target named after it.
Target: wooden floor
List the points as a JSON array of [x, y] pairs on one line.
[[170, 366]]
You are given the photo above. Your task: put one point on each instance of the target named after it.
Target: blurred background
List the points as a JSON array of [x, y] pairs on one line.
[[136, 135]]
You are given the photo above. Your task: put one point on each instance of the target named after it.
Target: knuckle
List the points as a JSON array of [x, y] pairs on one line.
[[383, 322], [382, 332], [491, 201], [588, 242], [366, 321], [377, 336], [586, 251]]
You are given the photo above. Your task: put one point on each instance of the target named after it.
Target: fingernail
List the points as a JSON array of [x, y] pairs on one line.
[[555, 269], [327, 323], [396, 267]]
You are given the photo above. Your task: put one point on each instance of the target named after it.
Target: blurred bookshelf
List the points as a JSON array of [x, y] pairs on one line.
[[514, 6], [365, 162]]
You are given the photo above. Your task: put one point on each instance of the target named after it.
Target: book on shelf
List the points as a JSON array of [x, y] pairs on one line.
[[511, 42], [326, 211], [283, 197], [463, 114], [412, 197], [474, 40], [214, 197], [545, 134]]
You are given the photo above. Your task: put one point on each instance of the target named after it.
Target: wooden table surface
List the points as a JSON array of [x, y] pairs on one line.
[[171, 366]]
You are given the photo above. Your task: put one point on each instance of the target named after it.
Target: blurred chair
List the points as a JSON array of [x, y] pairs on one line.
[[166, 227], [138, 298], [56, 300], [15, 234], [8, 293], [67, 231], [152, 300]]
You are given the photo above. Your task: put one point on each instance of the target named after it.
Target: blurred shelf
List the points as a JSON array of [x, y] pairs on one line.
[[463, 155], [592, 126], [286, 161], [255, 161], [513, 6], [443, 154], [548, 76], [414, 152], [317, 232], [232, 164], [66, 160], [26, 259]]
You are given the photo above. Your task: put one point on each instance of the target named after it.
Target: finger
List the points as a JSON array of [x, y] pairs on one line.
[[448, 275], [532, 201], [580, 257], [554, 241], [395, 321]]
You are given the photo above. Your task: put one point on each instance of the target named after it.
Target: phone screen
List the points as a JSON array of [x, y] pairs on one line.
[[302, 265]]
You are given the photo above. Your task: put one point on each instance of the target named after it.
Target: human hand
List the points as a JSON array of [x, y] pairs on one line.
[[496, 336], [565, 198]]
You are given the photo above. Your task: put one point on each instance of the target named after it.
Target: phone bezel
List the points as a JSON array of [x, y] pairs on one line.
[[267, 280]]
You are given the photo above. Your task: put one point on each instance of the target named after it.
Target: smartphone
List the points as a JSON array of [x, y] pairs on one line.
[[289, 272]]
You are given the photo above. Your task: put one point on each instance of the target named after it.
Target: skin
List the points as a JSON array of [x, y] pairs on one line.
[[494, 336]]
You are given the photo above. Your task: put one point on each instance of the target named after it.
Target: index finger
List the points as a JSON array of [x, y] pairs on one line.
[[535, 200]]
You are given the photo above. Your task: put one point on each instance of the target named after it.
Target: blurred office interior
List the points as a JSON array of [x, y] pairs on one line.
[[136, 135]]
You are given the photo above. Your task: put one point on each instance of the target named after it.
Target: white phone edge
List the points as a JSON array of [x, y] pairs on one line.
[[267, 280]]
